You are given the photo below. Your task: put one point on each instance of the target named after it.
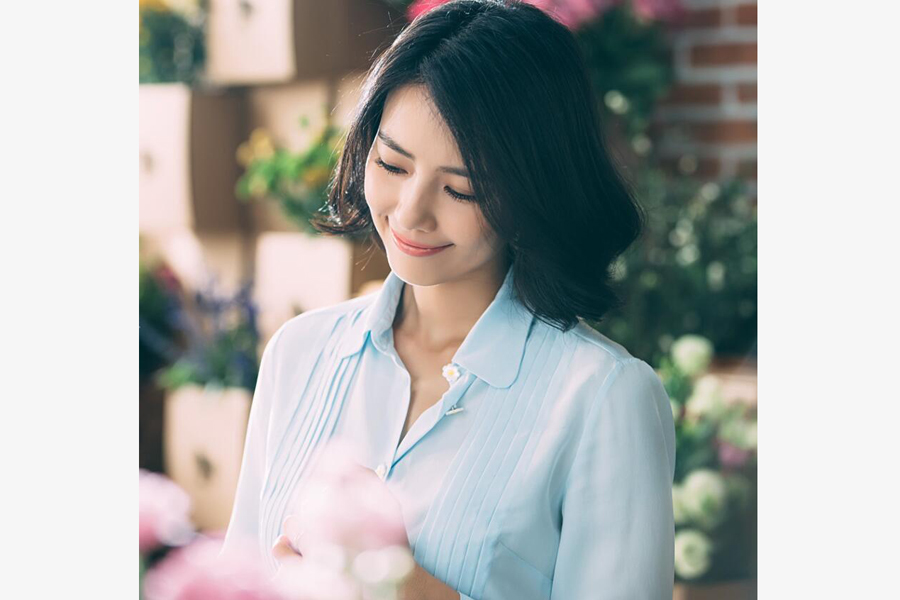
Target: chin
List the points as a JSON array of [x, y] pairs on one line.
[[416, 271]]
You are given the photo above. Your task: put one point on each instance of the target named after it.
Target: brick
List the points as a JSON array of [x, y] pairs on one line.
[[737, 131], [702, 18], [746, 169], [746, 92], [683, 93], [715, 55], [746, 14]]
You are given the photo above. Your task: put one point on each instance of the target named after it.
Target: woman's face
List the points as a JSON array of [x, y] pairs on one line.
[[417, 189]]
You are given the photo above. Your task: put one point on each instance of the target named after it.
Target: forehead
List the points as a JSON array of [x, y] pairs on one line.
[[413, 121]]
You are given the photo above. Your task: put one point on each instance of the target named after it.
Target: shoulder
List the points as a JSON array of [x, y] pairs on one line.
[[309, 330], [593, 354], [588, 339], [605, 369], [624, 400]]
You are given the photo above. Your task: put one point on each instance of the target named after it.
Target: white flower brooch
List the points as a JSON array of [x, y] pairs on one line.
[[451, 373]]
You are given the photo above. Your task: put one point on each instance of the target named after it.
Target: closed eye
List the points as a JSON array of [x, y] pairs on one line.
[[450, 191]]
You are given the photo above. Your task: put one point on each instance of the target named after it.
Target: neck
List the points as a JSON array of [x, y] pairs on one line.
[[441, 316]]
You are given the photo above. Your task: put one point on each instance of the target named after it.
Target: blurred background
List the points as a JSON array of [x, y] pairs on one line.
[[243, 105]]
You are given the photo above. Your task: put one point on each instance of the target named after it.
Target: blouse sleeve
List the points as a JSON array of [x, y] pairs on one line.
[[244, 523], [618, 530]]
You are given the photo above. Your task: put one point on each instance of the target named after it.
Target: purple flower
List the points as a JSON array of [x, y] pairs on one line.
[[730, 456]]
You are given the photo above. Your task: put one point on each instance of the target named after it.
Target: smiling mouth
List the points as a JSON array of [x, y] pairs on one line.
[[415, 250], [411, 244]]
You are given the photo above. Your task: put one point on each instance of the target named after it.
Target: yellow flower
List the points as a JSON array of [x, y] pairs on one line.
[[261, 143], [258, 186], [153, 4], [244, 155], [315, 176]]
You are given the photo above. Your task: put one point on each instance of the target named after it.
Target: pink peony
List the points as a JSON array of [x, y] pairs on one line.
[[163, 512], [346, 504], [198, 572], [571, 13], [422, 6], [576, 13]]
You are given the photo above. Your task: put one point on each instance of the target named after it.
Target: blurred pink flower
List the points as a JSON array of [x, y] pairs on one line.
[[198, 572], [659, 10], [730, 456], [346, 504], [575, 13], [422, 6], [163, 517]]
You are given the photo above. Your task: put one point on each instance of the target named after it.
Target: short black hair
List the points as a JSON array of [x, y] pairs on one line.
[[511, 84]]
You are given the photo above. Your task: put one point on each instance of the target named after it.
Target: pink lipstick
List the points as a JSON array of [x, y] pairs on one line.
[[413, 249]]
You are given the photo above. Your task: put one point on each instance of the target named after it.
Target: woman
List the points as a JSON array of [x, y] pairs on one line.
[[532, 456]]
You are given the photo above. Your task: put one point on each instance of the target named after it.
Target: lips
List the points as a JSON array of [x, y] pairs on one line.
[[414, 249], [415, 244]]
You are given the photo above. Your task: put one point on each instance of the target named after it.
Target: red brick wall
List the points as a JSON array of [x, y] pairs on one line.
[[707, 124]]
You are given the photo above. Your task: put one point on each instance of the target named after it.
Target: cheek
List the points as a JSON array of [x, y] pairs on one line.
[[474, 231]]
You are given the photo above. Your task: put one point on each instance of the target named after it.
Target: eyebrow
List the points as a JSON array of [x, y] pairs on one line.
[[393, 145]]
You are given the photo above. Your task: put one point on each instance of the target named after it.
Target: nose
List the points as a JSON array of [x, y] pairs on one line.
[[414, 210]]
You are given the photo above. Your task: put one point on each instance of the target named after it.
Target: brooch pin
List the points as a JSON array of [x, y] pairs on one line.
[[450, 372]]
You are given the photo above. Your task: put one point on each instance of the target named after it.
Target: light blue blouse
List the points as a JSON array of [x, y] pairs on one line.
[[554, 481]]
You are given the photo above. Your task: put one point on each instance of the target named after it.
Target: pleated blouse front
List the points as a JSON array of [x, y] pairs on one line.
[[554, 480]]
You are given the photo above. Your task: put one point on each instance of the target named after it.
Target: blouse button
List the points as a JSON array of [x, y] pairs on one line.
[[381, 470]]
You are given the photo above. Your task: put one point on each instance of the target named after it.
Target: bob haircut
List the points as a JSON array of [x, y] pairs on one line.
[[511, 85]]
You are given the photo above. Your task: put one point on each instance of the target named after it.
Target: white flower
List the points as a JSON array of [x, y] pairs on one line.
[[715, 275], [739, 432], [706, 400], [641, 144], [692, 553], [705, 497], [710, 191], [616, 102], [676, 410], [750, 435], [678, 509], [688, 255], [450, 372], [692, 354]]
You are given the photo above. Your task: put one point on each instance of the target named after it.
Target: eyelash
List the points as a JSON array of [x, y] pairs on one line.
[[396, 171]]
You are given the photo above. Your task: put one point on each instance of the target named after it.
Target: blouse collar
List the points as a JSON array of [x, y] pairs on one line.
[[492, 350]]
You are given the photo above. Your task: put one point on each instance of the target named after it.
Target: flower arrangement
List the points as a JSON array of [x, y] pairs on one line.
[[694, 271], [713, 495], [350, 530], [222, 340], [171, 40], [298, 182], [158, 299]]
